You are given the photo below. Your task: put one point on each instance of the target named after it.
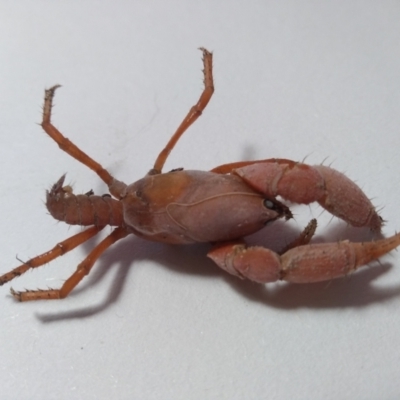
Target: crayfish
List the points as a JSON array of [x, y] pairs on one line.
[[220, 207]]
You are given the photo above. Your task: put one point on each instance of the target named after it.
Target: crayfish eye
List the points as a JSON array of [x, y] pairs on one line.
[[269, 204]]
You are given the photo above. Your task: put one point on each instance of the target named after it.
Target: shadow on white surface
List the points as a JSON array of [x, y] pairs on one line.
[[356, 290]]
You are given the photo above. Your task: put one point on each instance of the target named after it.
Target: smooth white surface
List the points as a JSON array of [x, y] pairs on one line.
[[293, 79]]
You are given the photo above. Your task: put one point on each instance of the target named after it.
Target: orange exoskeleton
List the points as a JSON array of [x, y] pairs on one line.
[[220, 207]]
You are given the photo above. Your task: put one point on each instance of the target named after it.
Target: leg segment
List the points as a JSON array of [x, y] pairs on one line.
[[303, 264], [57, 251], [193, 114], [303, 184], [82, 270], [116, 187], [304, 237]]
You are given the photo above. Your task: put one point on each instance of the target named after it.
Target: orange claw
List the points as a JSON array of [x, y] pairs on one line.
[[304, 184], [303, 264]]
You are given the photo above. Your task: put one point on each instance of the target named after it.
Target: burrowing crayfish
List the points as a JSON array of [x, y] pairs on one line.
[[221, 207]]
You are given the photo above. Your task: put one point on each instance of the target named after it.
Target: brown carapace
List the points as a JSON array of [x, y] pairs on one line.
[[220, 206]]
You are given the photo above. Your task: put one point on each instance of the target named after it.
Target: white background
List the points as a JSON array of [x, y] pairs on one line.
[[293, 79]]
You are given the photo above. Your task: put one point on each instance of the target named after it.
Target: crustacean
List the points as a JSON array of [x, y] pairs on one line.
[[220, 206]]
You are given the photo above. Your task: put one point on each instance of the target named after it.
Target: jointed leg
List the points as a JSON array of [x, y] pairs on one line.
[[66, 145], [82, 270], [193, 114], [303, 238], [57, 251]]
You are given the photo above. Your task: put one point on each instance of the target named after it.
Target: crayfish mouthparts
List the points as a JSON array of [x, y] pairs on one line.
[[280, 208]]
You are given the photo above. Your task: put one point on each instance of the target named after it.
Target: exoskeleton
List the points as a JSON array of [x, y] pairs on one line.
[[220, 206]]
